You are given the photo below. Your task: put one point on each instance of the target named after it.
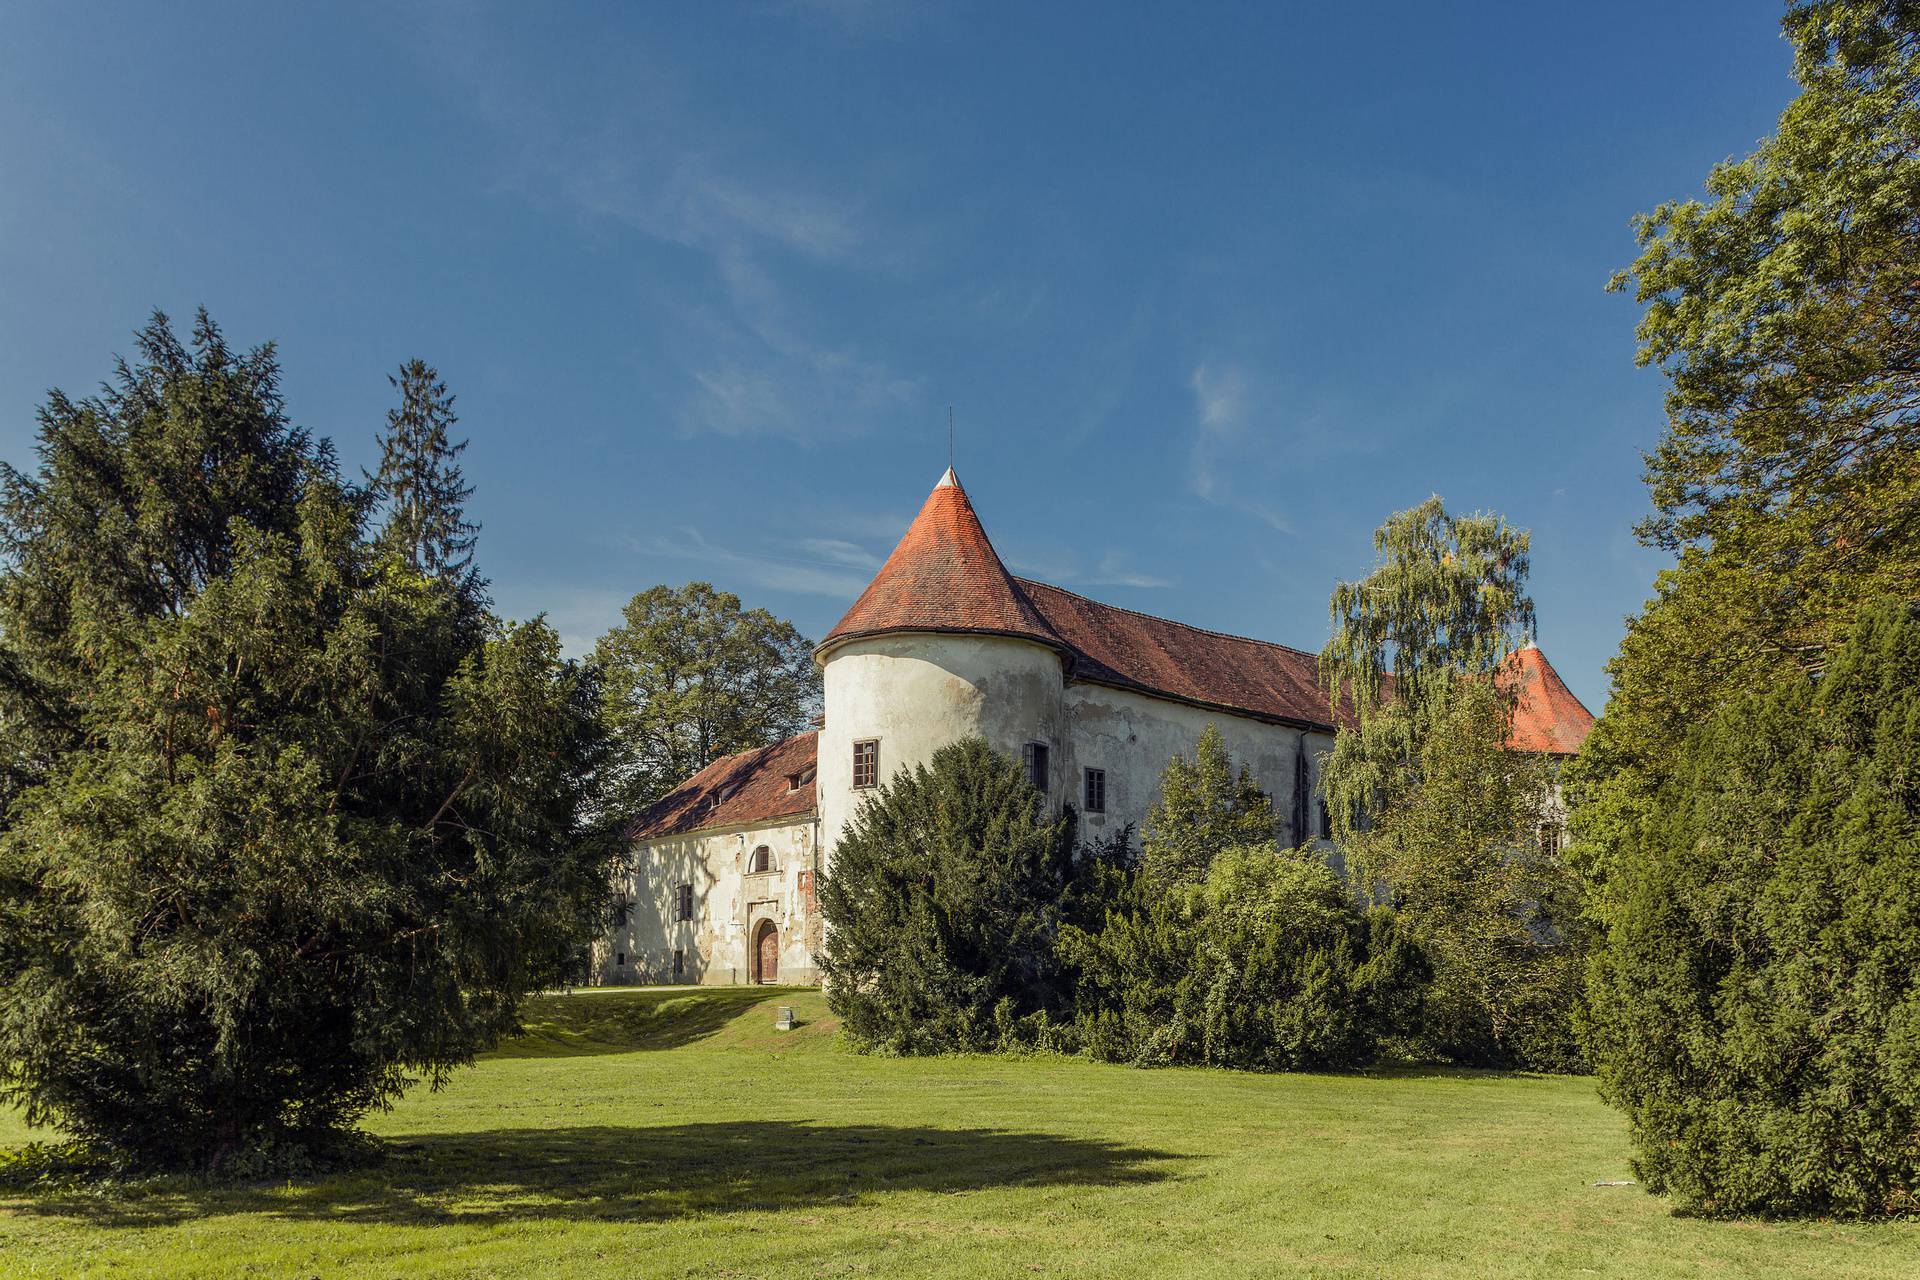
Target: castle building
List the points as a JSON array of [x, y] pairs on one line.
[[944, 644]]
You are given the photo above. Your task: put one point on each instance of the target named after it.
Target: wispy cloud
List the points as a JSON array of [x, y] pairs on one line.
[[837, 551], [1224, 411], [826, 573], [1113, 570], [637, 151], [764, 374]]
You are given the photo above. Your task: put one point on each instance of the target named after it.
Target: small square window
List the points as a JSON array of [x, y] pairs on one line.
[[866, 763], [1035, 756], [1096, 791]]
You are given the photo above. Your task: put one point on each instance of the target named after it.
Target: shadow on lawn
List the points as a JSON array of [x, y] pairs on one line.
[[621, 1022], [622, 1174]]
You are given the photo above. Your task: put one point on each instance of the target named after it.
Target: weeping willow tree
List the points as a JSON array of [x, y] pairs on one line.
[[1429, 808]]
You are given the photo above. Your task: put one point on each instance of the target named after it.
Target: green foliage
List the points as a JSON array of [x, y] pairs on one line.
[[292, 820], [1430, 809], [1447, 598], [1781, 308], [1497, 911], [943, 901], [1757, 1009], [690, 676], [1203, 807], [1266, 964], [419, 481]]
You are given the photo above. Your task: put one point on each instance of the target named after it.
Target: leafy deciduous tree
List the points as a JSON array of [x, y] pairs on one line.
[[1203, 807], [1430, 809], [690, 676]]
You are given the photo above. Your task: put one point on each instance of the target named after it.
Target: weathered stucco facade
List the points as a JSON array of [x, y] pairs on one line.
[[733, 900], [944, 644]]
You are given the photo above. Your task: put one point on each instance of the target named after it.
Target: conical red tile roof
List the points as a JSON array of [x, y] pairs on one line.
[[1547, 717], [944, 576]]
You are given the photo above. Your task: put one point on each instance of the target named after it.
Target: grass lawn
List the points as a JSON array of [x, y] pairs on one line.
[[673, 1132]]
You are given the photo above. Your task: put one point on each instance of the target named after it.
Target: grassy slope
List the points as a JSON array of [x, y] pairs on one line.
[[675, 1133]]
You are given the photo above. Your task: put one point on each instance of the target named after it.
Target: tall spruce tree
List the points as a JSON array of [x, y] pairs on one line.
[[1429, 808], [292, 822], [419, 482]]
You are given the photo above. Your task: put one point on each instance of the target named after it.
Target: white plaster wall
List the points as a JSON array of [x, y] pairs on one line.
[[728, 903], [1132, 736], [917, 693]]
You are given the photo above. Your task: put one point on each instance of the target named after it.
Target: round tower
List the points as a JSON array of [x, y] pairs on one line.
[[942, 645]]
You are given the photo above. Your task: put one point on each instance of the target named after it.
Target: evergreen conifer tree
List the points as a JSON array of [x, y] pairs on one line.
[[291, 822]]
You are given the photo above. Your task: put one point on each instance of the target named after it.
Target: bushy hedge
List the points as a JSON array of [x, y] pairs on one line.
[[1756, 1010], [961, 918], [1267, 964], [942, 906]]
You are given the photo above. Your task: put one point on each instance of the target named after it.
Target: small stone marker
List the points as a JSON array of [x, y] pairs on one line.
[[785, 1021]]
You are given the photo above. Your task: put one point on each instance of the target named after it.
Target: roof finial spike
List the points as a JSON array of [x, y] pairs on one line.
[[949, 480]]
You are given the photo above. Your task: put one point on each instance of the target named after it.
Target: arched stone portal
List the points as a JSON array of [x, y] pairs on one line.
[[766, 952]]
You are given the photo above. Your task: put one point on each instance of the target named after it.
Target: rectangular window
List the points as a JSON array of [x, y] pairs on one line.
[[1550, 839], [1035, 755], [620, 957], [1326, 821], [683, 903], [679, 962], [1096, 791], [866, 762]]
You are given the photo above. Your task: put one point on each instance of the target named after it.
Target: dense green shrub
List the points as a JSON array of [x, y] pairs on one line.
[[1267, 963], [942, 903], [1756, 1008], [289, 818]]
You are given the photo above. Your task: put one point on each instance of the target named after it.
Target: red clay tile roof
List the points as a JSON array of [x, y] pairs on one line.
[[1548, 717], [1110, 645], [751, 786], [944, 576]]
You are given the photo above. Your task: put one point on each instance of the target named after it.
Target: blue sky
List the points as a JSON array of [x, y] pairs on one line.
[[1213, 288]]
